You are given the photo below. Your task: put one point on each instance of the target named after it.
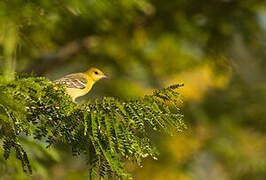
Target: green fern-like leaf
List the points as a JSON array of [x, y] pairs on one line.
[[108, 131]]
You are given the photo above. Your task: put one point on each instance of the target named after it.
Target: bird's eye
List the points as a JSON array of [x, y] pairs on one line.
[[95, 72]]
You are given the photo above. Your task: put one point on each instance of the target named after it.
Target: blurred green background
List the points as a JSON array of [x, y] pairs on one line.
[[217, 48]]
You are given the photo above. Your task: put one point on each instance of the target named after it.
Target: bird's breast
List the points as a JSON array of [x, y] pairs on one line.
[[75, 92]]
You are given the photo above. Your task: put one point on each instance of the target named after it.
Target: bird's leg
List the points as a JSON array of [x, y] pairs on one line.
[[74, 100]]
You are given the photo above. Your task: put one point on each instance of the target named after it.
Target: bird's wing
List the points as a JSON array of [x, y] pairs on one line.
[[77, 80]]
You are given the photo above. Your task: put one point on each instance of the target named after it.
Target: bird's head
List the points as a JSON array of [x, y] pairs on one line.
[[95, 74]]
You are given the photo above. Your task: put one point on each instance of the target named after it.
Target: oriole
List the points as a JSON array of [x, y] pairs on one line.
[[79, 84]]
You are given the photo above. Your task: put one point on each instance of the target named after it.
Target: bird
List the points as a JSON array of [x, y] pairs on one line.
[[79, 84]]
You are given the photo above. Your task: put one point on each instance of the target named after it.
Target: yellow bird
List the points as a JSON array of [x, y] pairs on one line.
[[79, 84]]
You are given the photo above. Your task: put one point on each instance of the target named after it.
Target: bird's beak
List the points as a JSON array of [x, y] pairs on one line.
[[103, 76]]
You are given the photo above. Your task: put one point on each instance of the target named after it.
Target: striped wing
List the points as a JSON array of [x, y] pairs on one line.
[[73, 81]]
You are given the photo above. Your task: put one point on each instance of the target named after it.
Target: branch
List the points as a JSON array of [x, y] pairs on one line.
[[65, 53], [109, 131]]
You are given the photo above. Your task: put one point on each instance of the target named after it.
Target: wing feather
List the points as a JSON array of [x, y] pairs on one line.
[[76, 80]]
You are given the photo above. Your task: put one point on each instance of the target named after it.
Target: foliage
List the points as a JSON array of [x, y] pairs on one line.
[[216, 47], [108, 132]]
